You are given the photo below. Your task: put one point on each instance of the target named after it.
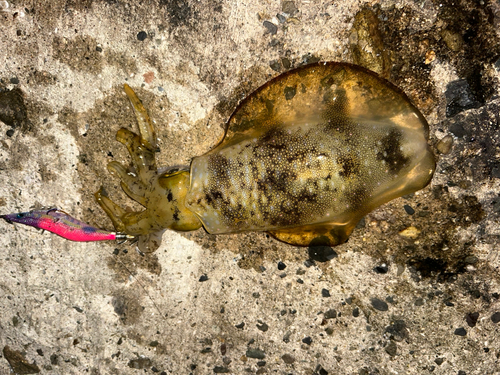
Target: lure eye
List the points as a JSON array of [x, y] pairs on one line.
[[20, 215]]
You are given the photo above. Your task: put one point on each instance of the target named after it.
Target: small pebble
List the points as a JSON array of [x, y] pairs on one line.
[[410, 232], [495, 318], [241, 325], [320, 370], [325, 293], [471, 259], [307, 340], [471, 319], [275, 65], [321, 253], [142, 35], [255, 353], [391, 349], [262, 326], [445, 144], [286, 337], [288, 359], [382, 269], [397, 330], [308, 263], [289, 7], [379, 305], [355, 312], [221, 370], [439, 361], [408, 209], [281, 266], [286, 63], [203, 278], [271, 27], [281, 18], [330, 314], [460, 331]]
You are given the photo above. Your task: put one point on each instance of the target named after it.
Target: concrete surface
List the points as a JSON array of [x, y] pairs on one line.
[[424, 300]]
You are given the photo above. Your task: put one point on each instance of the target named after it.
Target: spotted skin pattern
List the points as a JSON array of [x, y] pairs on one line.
[[312, 152]]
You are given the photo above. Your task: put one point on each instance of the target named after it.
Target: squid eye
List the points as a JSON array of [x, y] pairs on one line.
[[20, 215]]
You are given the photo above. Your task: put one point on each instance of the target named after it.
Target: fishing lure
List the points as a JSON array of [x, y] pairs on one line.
[[304, 157], [62, 224]]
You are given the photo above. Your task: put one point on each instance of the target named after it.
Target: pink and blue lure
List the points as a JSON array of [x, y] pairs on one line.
[[62, 224]]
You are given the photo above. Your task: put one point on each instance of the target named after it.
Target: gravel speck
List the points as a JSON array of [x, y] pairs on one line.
[[271, 27], [439, 361], [408, 209], [391, 349], [471, 319], [379, 305], [255, 353], [320, 370], [382, 269], [221, 370], [325, 293], [275, 65], [495, 318], [330, 314], [288, 359], [262, 326], [307, 340], [460, 331]]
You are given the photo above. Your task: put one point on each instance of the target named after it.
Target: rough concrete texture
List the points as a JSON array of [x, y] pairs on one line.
[[414, 291]]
